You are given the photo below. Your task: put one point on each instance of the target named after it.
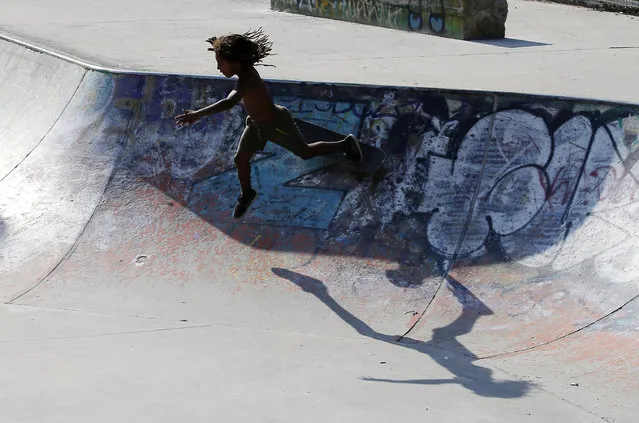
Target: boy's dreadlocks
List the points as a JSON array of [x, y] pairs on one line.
[[248, 48]]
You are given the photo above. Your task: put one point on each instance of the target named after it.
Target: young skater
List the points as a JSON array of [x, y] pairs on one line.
[[238, 54]]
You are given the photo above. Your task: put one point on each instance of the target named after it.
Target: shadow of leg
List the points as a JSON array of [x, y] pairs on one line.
[[459, 360]]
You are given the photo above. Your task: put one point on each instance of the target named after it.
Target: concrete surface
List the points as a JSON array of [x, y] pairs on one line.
[[130, 369], [490, 273], [549, 48]]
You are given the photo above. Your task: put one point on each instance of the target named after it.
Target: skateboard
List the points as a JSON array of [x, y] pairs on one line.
[[372, 157]]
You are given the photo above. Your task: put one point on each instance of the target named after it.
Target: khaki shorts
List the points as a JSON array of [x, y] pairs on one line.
[[283, 132]]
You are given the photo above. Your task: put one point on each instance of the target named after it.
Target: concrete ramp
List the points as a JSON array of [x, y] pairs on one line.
[[55, 162], [503, 228]]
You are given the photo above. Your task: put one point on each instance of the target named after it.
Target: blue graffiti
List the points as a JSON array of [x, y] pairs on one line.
[[415, 21], [437, 23], [280, 201]]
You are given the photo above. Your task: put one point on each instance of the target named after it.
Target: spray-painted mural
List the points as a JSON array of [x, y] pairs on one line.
[[462, 19], [469, 176]]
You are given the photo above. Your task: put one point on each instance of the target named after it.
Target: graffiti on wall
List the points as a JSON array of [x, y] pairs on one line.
[[469, 176], [523, 181], [441, 17]]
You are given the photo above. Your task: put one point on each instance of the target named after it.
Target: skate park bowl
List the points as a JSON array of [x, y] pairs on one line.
[[502, 228]]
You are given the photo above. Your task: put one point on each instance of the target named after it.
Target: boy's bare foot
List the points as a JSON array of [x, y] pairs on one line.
[[353, 153], [243, 203]]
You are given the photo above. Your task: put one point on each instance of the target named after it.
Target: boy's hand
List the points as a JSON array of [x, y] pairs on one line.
[[187, 118]]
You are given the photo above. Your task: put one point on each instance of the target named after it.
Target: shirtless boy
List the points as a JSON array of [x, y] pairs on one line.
[[238, 54]]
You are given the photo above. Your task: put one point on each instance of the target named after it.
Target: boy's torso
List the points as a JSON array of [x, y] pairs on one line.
[[256, 99]]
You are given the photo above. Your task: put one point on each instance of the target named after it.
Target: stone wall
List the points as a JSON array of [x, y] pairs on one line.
[[461, 19]]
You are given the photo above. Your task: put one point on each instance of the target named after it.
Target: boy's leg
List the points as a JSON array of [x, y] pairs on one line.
[[288, 135], [249, 144], [348, 146], [243, 165]]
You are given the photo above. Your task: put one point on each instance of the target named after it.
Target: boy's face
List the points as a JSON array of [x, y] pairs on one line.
[[225, 66]]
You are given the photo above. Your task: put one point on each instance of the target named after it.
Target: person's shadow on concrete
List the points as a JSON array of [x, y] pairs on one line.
[[455, 358]]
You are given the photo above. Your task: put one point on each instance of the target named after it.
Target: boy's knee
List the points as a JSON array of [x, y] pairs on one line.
[[241, 159]]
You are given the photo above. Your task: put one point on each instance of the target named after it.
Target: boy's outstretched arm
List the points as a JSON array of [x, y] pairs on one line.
[[192, 116]]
